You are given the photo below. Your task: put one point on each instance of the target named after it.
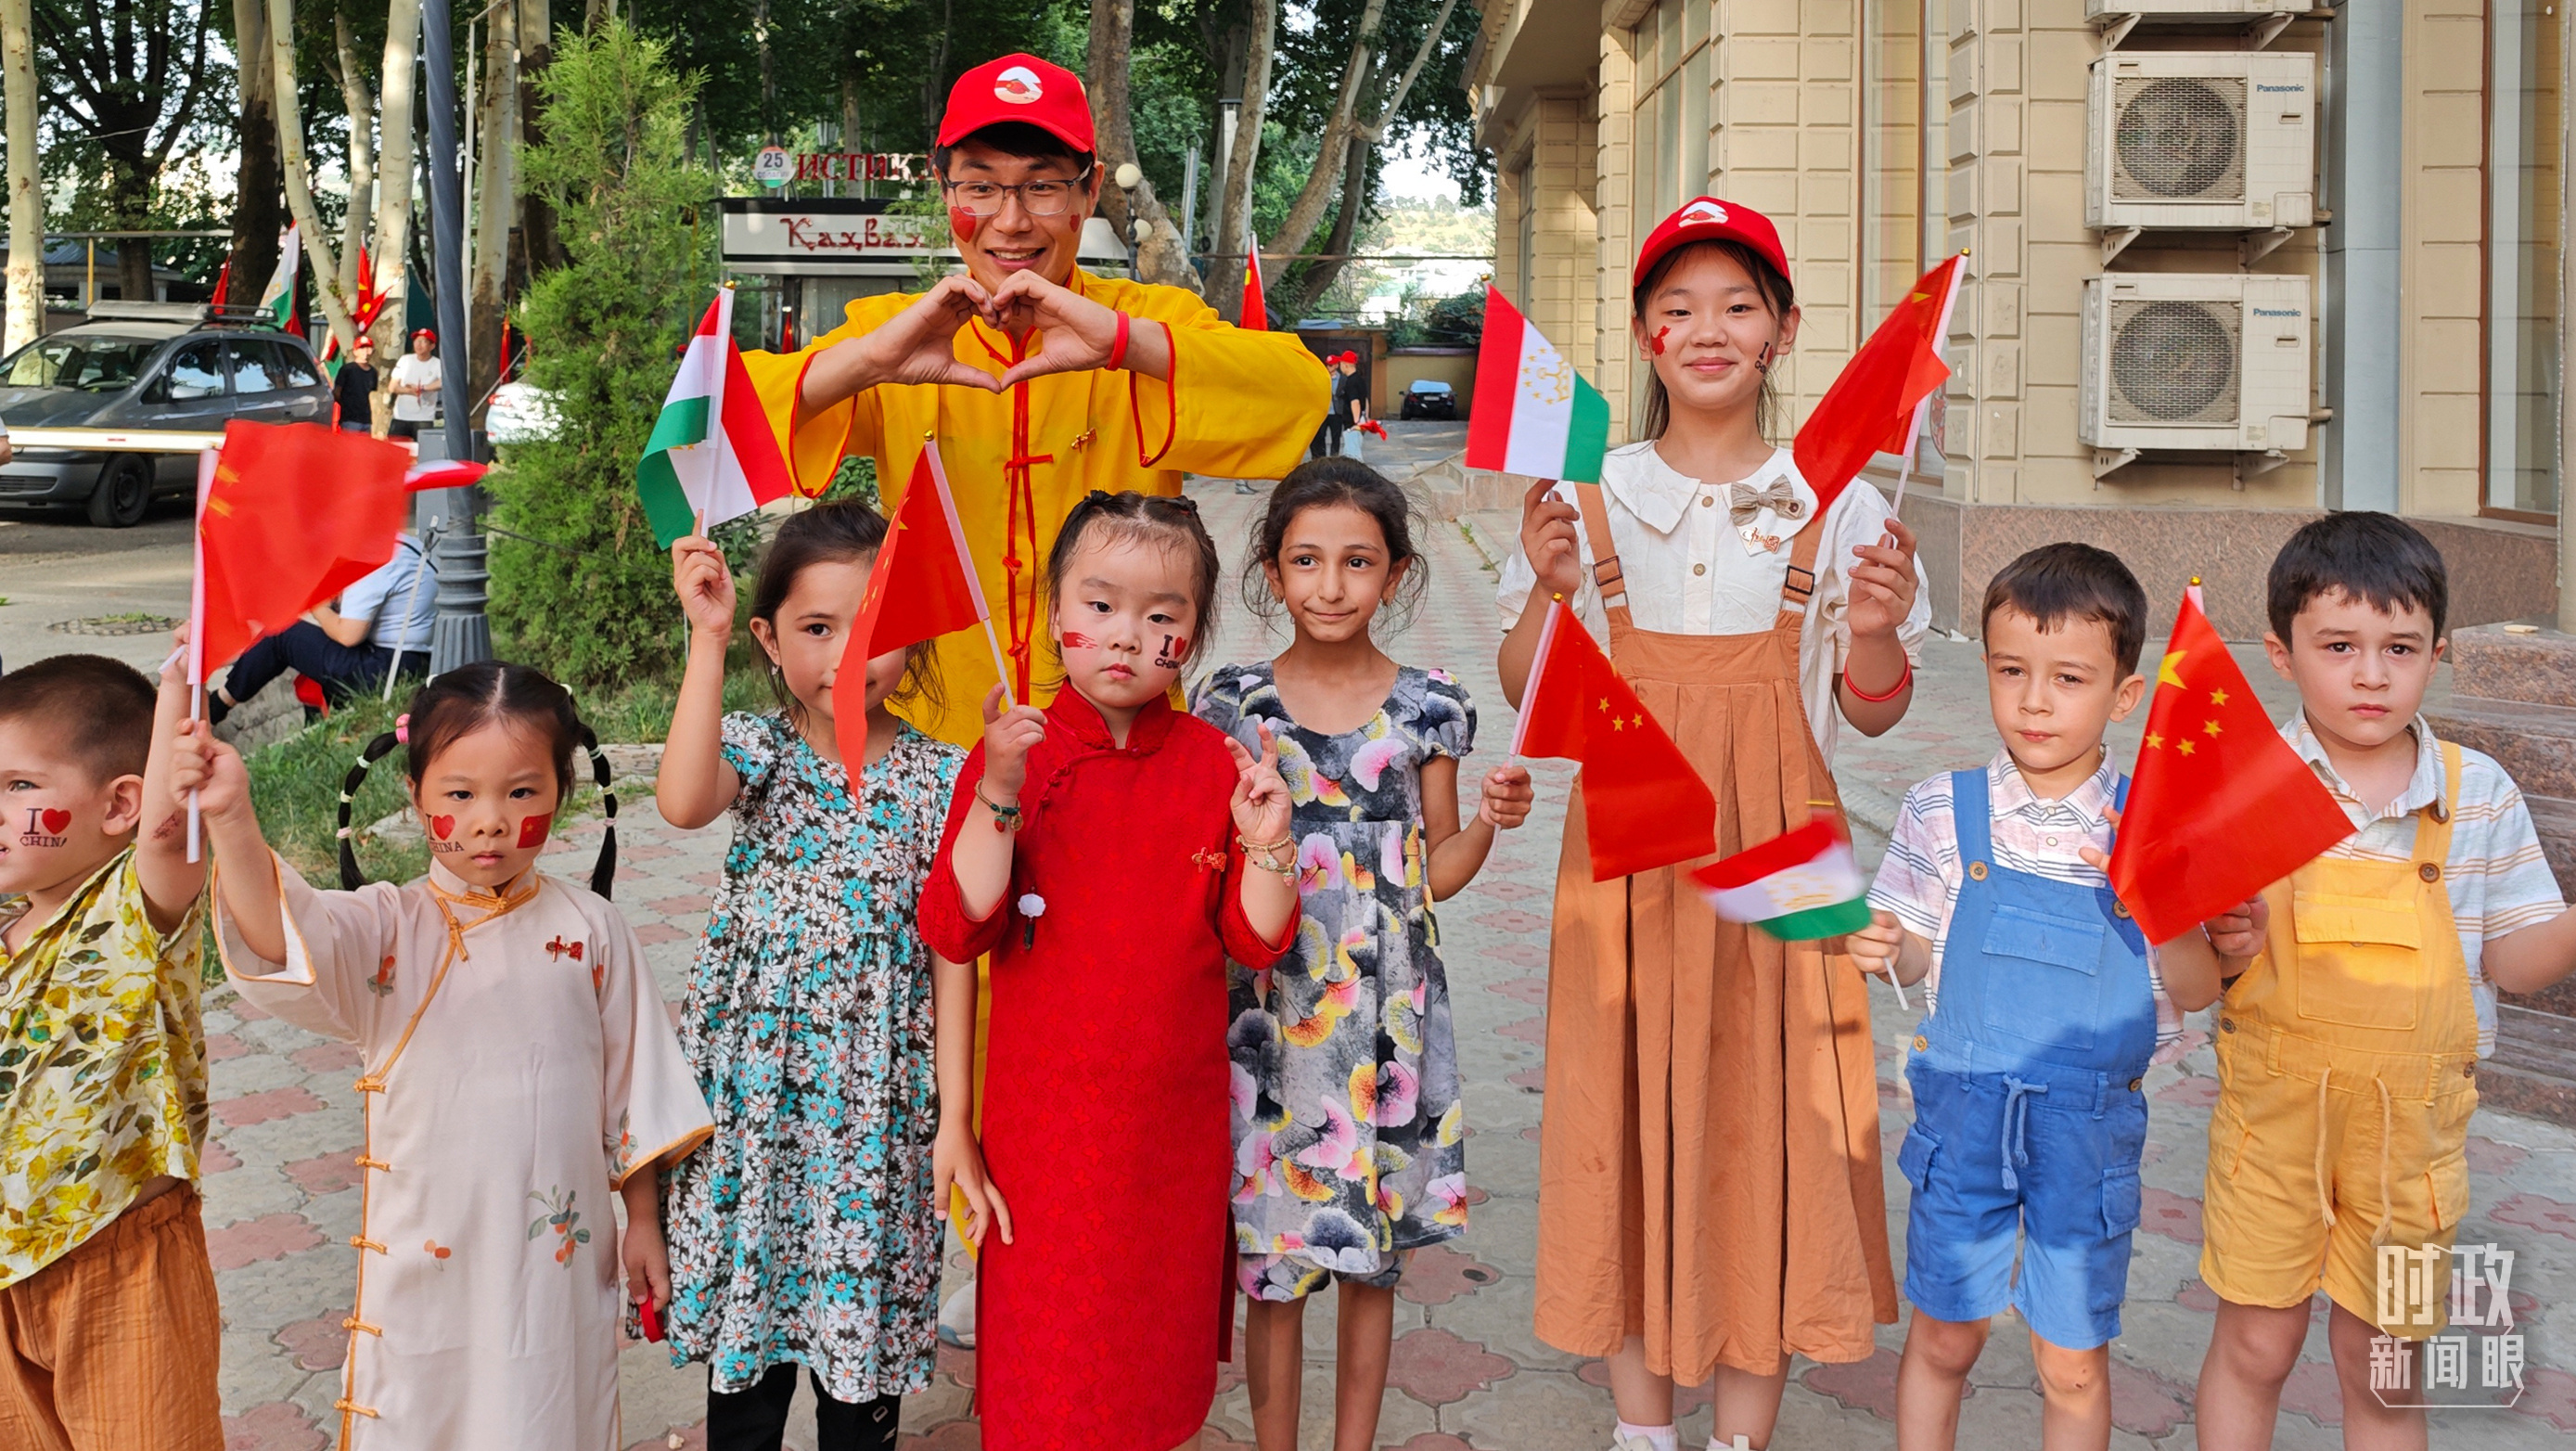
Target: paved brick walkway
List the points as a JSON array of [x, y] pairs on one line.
[[1468, 1373]]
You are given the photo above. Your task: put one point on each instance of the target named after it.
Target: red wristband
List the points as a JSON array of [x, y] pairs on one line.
[[1118, 349], [1893, 691]]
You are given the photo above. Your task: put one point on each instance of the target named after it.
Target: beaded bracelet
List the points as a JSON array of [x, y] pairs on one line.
[[1005, 818], [1269, 861]]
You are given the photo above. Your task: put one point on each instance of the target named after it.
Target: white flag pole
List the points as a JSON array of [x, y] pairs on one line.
[[197, 639], [1923, 408], [966, 558]]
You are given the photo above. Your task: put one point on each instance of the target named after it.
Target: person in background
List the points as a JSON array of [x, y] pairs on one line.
[[1350, 404], [349, 648], [353, 389], [1328, 439], [416, 379]]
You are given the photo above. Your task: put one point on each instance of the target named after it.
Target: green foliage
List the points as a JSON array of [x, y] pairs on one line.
[[1448, 322], [605, 332], [295, 786]]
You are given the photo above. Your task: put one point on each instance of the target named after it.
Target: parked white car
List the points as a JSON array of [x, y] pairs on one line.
[[521, 413]]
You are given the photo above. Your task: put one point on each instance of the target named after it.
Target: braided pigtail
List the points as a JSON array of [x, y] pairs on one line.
[[351, 879], [603, 875]]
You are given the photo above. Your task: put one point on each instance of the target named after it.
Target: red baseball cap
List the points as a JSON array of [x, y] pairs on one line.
[[1707, 219], [1019, 87]]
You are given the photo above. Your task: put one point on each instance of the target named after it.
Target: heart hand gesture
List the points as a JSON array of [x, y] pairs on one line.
[[919, 344], [1077, 334]]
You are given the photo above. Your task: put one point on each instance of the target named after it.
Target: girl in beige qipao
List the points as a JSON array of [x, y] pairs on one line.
[[516, 1066]]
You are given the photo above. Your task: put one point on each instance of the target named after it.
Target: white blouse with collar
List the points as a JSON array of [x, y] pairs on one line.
[[1690, 570]]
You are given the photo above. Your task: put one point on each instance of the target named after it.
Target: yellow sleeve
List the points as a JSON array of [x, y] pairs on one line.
[[1238, 405], [850, 426]]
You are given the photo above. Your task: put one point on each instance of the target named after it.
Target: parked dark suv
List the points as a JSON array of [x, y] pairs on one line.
[[144, 366]]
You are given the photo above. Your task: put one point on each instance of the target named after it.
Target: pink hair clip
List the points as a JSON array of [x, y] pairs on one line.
[[402, 729]]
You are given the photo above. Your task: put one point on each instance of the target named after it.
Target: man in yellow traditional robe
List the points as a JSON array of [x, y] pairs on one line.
[[1040, 381]]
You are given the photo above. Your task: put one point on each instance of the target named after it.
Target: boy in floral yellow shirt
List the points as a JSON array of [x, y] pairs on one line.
[[108, 1327]]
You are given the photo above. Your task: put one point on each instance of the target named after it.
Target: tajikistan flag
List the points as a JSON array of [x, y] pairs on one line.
[[1533, 415], [1798, 886], [711, 453], [278, 298]]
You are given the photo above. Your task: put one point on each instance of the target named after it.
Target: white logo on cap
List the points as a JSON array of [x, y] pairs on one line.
[[1702, 211], [1018, 85]]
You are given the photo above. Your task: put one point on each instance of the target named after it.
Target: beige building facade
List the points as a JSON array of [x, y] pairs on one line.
[[2231, 262]]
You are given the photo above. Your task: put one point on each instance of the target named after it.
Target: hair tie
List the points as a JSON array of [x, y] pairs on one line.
[[402, 729]]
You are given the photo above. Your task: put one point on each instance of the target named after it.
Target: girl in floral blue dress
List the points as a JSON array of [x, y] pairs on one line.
[[1349, 1131], [805, 1232]]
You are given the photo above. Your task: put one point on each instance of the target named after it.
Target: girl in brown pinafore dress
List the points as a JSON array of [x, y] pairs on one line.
[[1710, 1196]]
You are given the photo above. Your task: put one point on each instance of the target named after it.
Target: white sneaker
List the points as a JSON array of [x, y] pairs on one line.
[[957, 1318]]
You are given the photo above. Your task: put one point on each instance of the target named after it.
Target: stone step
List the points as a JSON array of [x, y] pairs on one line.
[[2535, 743], [2534, 1068], [2501, 664], [2555, 817]]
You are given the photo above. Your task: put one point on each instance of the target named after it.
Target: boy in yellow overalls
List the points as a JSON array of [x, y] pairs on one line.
[[2347, 1052]]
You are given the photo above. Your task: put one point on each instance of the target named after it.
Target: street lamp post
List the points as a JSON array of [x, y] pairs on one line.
[[463, 635]]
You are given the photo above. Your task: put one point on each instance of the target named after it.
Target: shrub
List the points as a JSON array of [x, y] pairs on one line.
[[596, 609]]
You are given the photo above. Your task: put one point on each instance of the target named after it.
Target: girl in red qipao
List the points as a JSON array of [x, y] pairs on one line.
[[1111, 853]]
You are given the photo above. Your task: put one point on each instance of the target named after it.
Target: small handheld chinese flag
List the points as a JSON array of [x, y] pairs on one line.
[[293, 514], [923, 586], [2220, 807], [1644, 806], [1256, 304], [1876, 404]]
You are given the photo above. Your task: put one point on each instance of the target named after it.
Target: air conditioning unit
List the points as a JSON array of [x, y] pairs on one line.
[[2219, 10], [2196, 361], [2204, 140]]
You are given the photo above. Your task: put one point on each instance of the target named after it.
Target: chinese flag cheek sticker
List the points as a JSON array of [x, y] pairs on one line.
[[533, 830]]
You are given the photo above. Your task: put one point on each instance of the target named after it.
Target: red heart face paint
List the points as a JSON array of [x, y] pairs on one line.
[[963, 223], [533, 830], [440, 829], [1076, 640], [1657, 342], [1176, 648], [45, 827]]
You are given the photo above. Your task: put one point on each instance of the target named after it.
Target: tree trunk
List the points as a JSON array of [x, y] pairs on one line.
[[1347, 125], [539, 243], [496, 124], [1318, 278], [1162, 256], [129, 209], [258, 213], [396, 161], [1307, 212], [1234, 209], [26, 288], [360, 100], [293, 166]]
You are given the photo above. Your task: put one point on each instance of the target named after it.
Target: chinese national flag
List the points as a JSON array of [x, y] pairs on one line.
[[2220, 807], [1643, 805], [1255, 316], [923, 586], [1871, 408], [294, 514]]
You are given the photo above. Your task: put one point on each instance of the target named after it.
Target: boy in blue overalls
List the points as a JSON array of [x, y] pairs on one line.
[[2044, 1007]]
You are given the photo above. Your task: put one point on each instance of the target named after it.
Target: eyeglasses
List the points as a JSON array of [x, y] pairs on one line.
[[1047, 198]]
